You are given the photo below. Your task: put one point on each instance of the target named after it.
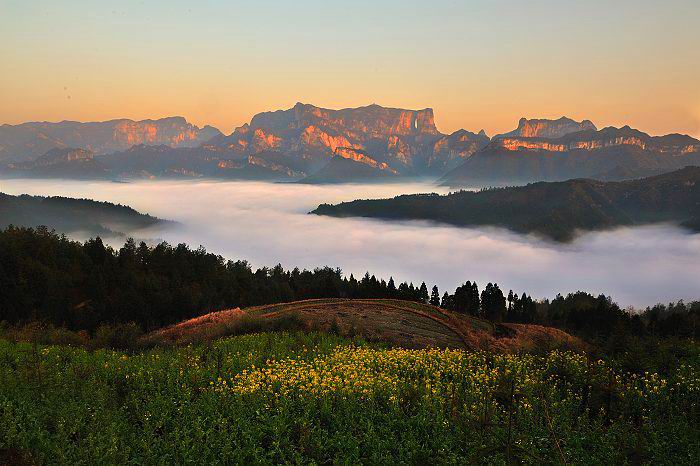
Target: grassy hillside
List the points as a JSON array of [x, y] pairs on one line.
[[556, 210], [399, 323]]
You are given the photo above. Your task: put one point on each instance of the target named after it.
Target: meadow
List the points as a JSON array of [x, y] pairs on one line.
[[309, 398]]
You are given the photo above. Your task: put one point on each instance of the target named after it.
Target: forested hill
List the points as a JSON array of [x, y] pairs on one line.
[[67, 215], [555, 210]]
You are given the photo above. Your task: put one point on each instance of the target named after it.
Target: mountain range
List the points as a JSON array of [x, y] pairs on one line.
[[563, 150], [316, 145], [27, 141], [556, 210]]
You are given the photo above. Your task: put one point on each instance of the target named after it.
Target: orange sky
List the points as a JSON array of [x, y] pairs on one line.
[[479, 64]]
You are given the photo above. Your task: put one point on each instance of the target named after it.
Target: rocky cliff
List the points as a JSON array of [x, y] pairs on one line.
[[608, 154], [405, 142], [543, 128], [282, 144], [607, 137], [28, 141]]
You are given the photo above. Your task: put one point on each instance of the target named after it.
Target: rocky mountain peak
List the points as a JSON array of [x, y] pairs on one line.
[[546, 128]]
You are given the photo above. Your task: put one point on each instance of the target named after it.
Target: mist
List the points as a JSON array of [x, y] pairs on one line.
[[267, 223]]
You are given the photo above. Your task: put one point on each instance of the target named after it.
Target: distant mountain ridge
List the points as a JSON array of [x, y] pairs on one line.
[[27, 141], [557, 210], [289, 145], [306, 143], [607, 154]]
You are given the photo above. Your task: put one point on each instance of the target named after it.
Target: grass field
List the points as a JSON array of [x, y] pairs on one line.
[[319, 398]]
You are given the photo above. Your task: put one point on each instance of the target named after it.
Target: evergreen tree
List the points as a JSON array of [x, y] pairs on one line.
[[474, 302], [466, 299], [510, 300], [528, 309], [493, 303], [435, 296], [510, 314], [447, 302], [404, 292], [423, 294], [391, 288]]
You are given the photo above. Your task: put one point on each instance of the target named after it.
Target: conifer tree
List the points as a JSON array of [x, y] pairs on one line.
[[423, 294], [435, 296]]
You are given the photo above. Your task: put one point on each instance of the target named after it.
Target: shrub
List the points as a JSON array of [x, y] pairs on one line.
[[117, 336]]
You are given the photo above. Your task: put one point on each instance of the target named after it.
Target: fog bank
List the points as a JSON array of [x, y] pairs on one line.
[[267, 223]]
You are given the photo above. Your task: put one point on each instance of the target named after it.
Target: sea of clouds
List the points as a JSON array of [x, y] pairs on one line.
[[267, 223]]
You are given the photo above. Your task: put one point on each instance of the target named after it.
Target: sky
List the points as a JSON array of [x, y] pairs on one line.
[[478, 64]]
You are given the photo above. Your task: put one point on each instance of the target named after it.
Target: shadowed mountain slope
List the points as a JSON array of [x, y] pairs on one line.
[[556, 210], [67, 215]]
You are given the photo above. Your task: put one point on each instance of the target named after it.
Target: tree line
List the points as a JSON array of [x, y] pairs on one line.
[[47, 277]]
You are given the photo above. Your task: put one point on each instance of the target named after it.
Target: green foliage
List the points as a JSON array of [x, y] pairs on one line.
[[435, 296], [49, 278], [70, 215], [118, 336], [44, 276], [493, 303], [315, 398], [555, 210]]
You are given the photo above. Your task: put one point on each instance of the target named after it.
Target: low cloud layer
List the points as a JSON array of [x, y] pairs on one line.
[[267, 223]]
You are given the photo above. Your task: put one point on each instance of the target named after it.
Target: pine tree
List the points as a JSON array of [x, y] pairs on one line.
[[404, 292], [493, 303], [435, 296], [511, 313], [474, 302], [423, 293], [391, 288], [448, 302]]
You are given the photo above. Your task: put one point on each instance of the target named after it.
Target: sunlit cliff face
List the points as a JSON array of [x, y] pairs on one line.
[[564, 135], [130, 133], [595, 141], [99, 137], [390, 138], [315, 136], [358, 156], [516, 144], [538, 128], [265, 141]]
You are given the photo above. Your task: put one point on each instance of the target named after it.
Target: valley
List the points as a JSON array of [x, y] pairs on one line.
[[350, 233], [267, 223]]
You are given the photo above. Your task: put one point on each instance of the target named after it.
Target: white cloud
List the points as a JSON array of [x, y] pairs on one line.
[[267, 223]]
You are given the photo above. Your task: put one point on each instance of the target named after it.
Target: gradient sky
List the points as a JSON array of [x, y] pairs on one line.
[[479, 64]]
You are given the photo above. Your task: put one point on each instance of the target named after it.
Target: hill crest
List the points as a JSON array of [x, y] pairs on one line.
[[400, 323]]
